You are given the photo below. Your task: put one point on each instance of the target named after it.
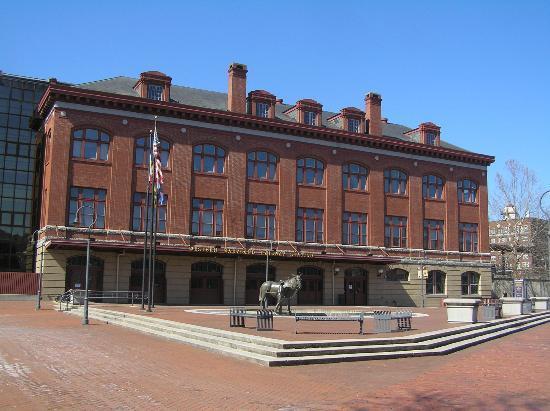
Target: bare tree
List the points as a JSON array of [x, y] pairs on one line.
[[519, 233]]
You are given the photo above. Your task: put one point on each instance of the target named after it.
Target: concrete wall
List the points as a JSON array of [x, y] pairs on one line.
[[178, 274]]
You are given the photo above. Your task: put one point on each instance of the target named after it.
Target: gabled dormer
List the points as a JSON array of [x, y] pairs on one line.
[[154, 85], [261, 103], [349, 119], [306, 111], [426, 133]]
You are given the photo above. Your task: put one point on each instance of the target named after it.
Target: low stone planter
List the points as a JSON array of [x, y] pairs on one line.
[[462, 310], [512, 306], [540, 303]]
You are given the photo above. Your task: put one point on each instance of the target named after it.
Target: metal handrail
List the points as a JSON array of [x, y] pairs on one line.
[[76, 297], [132, 296]]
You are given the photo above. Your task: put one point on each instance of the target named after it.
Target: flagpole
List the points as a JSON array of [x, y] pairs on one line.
[[146, 230], [155, 213], [155, 216], [151, 181]]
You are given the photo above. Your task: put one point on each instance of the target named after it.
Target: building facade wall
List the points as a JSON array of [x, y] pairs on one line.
[[121, 178], [381, 291]]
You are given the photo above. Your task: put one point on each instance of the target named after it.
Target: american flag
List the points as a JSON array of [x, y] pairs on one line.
[[155, 168]]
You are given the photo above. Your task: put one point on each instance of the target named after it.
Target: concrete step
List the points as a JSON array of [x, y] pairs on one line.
[[326, 359], [171, 329], [272, 352], [213, 347]]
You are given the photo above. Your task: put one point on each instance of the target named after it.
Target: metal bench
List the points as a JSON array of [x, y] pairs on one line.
[[490, 309], [359, 317], [383, 319], [264, 318]]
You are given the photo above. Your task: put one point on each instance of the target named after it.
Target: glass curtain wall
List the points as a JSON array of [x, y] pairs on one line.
[[18, 99]]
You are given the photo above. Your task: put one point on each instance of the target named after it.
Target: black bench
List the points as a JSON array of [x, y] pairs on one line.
[[264, 318], [359, 317]]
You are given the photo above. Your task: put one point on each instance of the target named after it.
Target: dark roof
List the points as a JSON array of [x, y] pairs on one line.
[[218, 101]]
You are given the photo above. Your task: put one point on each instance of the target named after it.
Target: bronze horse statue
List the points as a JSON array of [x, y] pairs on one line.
[[277, 290]]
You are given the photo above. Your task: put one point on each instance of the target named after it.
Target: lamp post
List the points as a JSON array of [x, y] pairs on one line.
[[85, 319], [267, 261], [548, 227], [39, 288]]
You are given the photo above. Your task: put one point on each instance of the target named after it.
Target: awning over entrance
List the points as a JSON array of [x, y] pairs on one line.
[[219, 251]]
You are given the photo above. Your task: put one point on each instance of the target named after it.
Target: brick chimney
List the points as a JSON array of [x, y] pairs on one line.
[[236, 93], [373, 113]]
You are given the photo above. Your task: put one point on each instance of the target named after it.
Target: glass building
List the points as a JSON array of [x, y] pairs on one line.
[[18, 99]]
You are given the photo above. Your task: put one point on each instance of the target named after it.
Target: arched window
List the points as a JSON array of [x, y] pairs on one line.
[[310, 171], [395, 182], [435, 283], [142, 152], [397, 274], [139, 212], [208, 158], [467, 191], [432, 187], [469, 282], [91, 144], [262, 165], [354, 177]]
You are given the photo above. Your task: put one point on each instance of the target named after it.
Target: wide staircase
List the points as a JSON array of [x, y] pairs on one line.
[[272, 352]]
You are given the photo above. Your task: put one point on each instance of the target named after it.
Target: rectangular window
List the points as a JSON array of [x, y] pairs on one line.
[[467, 237], [154, 91], [139, 213], [310, 118], [262, 110], [353, 125], [87, 207], [309, 225], [207, 217], [260, 221], [431, 139], [433, 234], [395, 232], [354, 229]]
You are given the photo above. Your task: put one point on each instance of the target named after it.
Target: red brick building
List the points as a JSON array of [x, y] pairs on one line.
[[358, 205]]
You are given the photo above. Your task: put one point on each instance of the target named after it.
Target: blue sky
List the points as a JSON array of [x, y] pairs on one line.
[[480, 70]]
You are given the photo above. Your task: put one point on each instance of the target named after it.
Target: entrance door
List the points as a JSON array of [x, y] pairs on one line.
[[355, 286], [76, 274], [136, 277], [255, 277], [312, 286], [206, 283]]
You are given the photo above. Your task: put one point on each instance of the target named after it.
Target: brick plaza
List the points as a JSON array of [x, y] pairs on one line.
[[49, 361]]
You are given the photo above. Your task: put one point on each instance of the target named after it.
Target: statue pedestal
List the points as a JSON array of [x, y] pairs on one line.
[[462, 310], [540, 303], [512, 306]]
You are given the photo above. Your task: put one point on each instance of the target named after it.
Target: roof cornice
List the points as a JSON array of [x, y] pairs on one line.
[[59, 92]]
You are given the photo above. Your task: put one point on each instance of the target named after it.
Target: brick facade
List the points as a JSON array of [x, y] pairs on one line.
[[66, 109]]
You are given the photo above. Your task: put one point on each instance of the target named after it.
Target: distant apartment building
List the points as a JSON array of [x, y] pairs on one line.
[[519, 246]]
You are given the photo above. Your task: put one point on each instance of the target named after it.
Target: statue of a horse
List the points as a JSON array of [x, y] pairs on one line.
[[277, 290]]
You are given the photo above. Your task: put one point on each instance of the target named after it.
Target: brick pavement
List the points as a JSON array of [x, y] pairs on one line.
[[49, 361]]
